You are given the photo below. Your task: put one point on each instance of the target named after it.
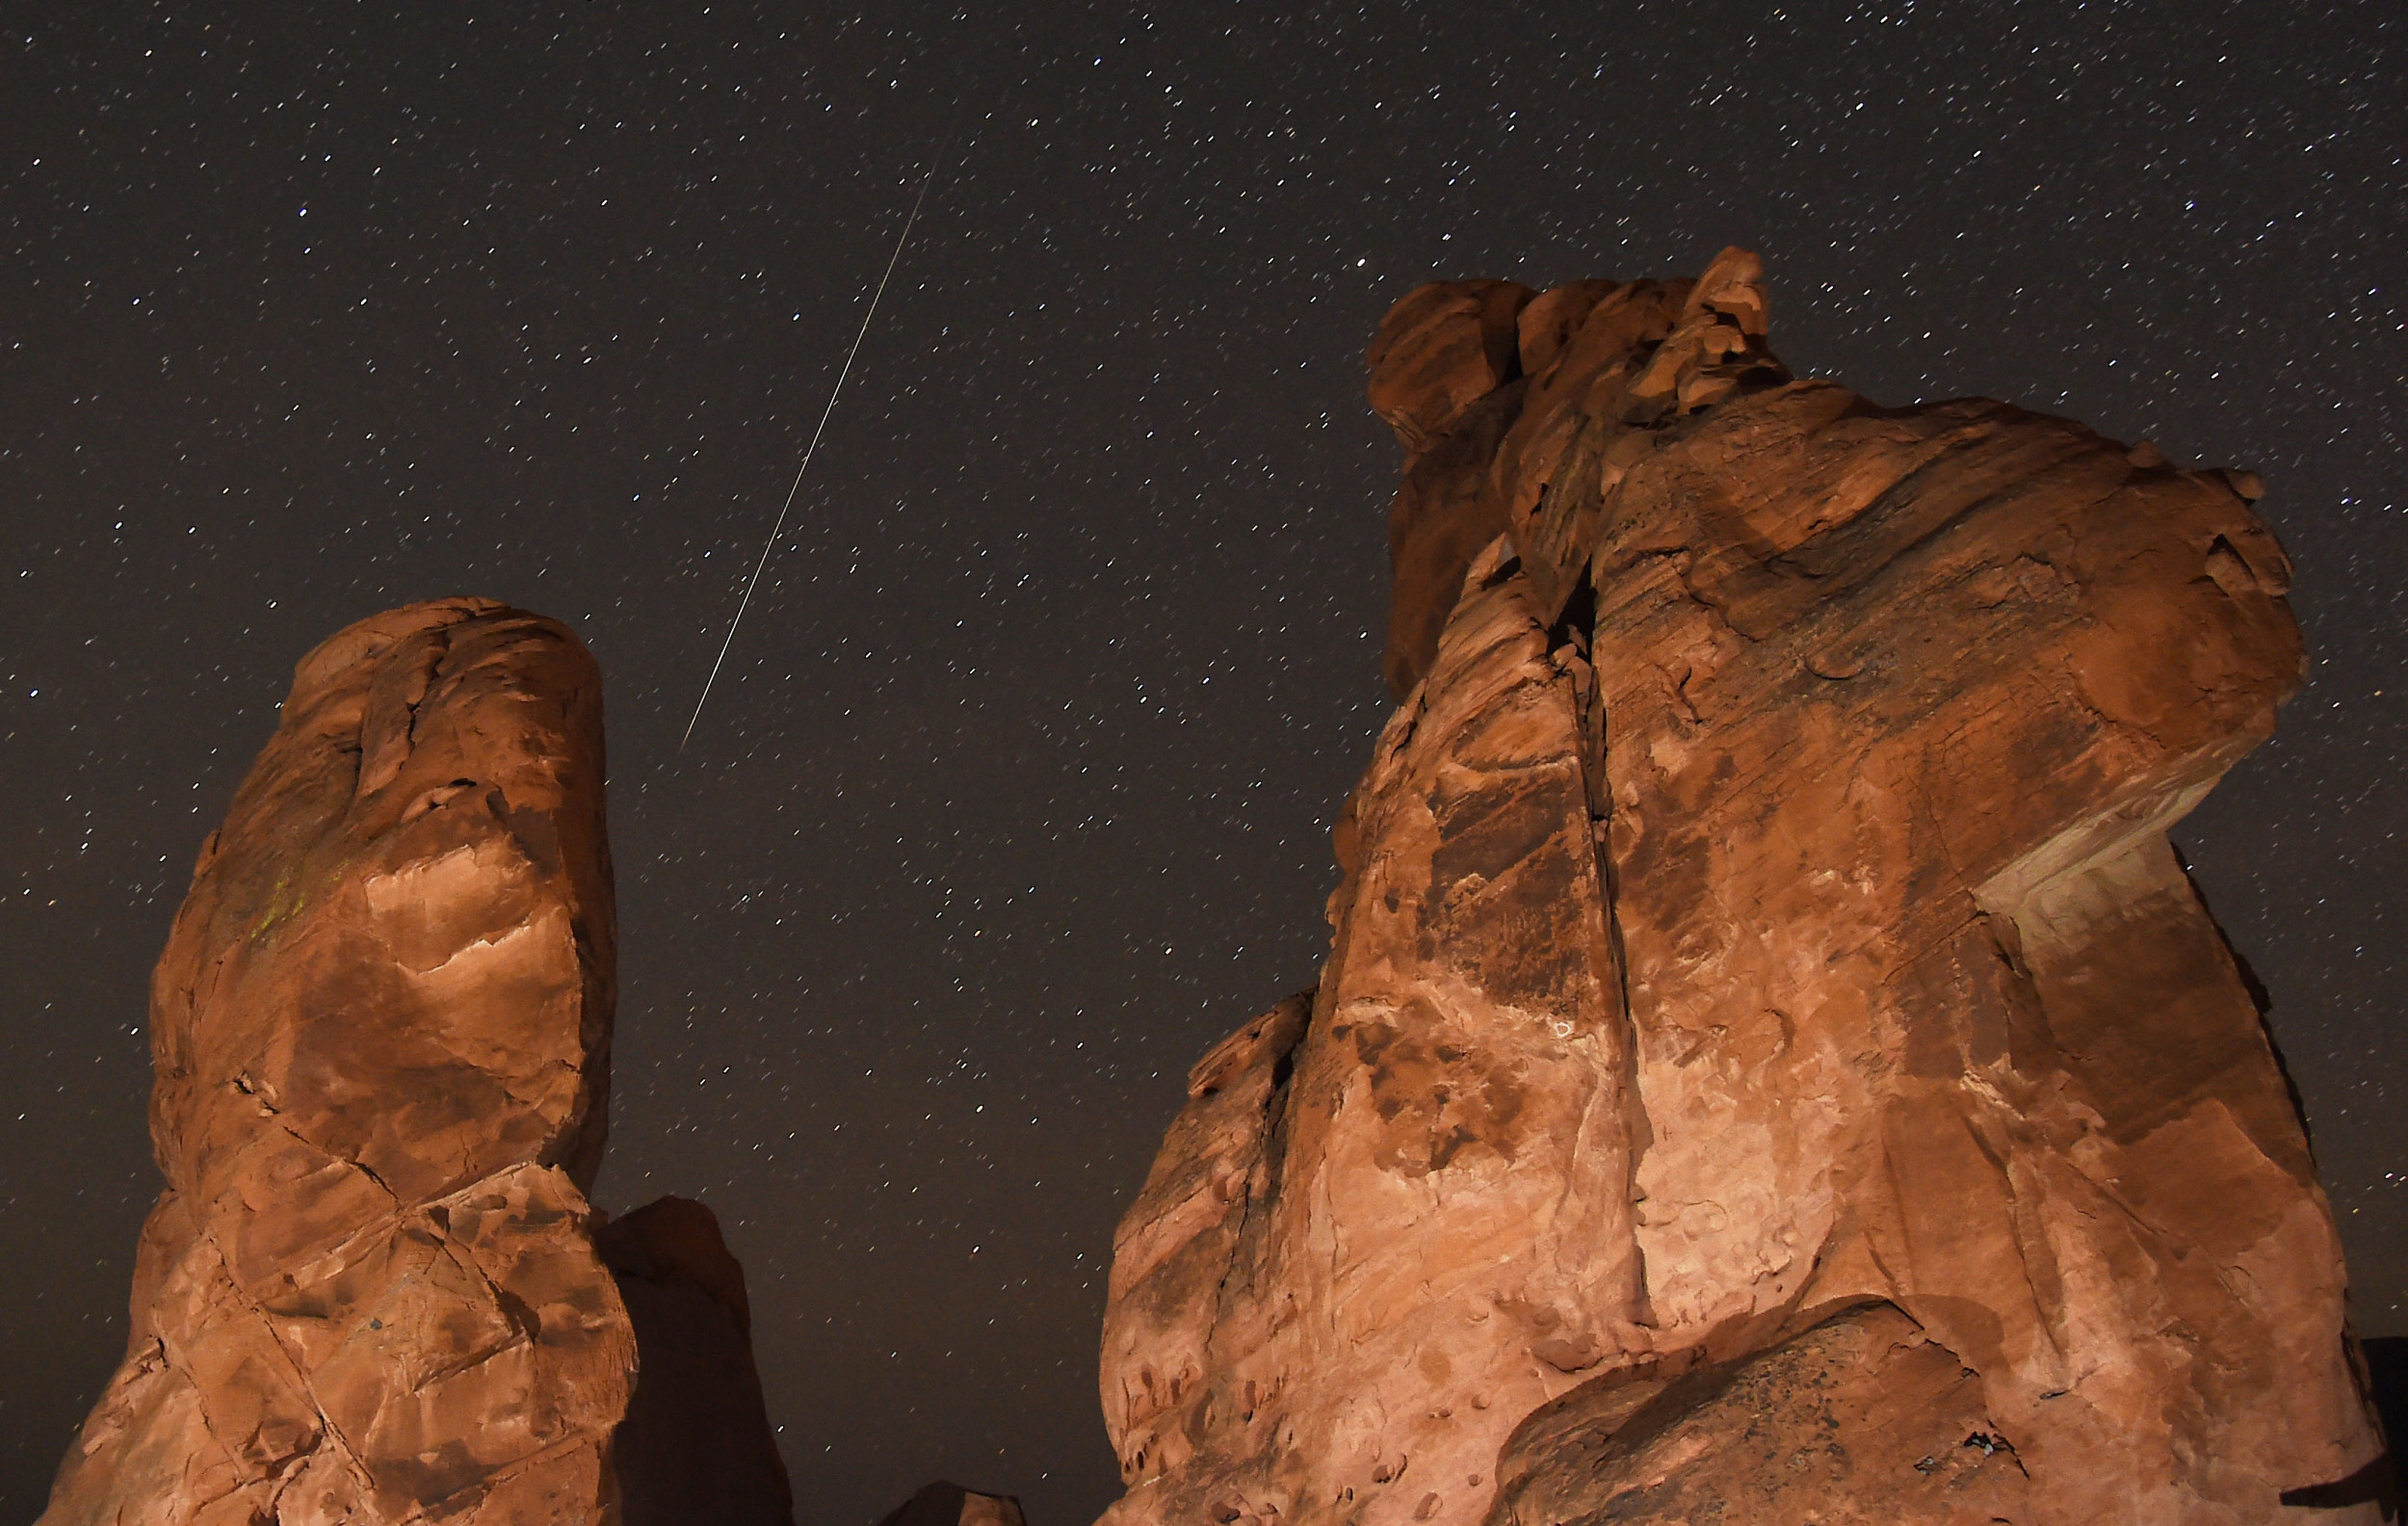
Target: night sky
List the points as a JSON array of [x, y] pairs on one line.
[[1015, 793]]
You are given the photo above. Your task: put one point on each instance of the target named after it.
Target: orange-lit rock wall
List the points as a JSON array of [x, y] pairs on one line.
[[1763, 1006]]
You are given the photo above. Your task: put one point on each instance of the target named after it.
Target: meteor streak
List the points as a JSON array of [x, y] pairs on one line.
[[834, 392]]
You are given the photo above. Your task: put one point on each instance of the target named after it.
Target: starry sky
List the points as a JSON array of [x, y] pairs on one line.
[[1015, 793]]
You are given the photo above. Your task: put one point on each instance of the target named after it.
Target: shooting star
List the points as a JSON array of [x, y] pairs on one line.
[[833, 393]]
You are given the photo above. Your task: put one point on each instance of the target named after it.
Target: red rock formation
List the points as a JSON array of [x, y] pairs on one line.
[[1763, 1004], [369, 1292], [943, 1504], [695, 1444]]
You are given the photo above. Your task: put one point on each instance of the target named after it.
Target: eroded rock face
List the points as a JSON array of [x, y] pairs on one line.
[[1763, 1002], [1862, 1420], [369, 1292]]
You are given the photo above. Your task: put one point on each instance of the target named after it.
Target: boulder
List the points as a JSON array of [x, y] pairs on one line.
[[943, 1504]]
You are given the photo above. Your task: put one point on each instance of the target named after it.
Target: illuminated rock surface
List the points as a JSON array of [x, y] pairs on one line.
[[1771, 1065], [371, 1292]]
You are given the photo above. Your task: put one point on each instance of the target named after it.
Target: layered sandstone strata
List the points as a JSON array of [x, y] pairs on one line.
[[371, 1292], [1770, 1064]]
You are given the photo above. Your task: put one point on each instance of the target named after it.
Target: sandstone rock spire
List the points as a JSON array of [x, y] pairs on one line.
[[371, 1291], [1770, 1063]]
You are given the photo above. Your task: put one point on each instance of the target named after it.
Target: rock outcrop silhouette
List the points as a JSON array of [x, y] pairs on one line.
[[372, 1291], [1770, 1064], [946, 1504]]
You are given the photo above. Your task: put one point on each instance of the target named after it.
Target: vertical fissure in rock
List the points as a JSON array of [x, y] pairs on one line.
[[1576, 628]]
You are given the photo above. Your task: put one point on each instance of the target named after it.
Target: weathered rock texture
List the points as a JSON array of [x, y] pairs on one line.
[[371, 1291], [1771, 1065]]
